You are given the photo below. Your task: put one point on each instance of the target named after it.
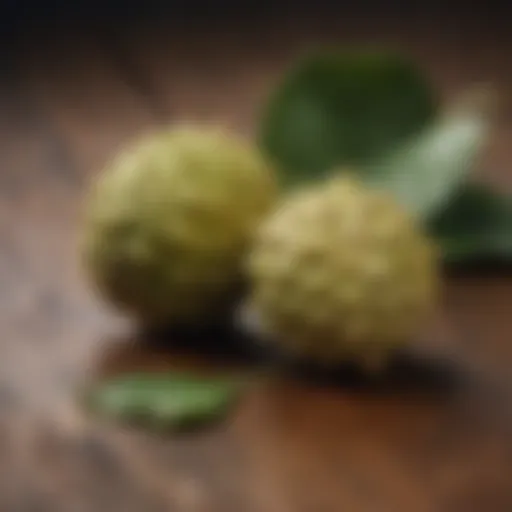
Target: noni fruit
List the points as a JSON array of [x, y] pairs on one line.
[[340, 272], [169, 220]]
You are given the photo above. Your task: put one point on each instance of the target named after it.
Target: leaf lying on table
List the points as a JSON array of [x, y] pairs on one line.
[[338, 108], [171, 400], [477, 225]]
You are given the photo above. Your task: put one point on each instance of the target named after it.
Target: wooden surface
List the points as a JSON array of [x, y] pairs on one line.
[[434, 436]]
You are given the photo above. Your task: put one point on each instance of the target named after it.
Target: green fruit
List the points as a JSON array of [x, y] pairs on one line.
[[341, 272], [169, 220]]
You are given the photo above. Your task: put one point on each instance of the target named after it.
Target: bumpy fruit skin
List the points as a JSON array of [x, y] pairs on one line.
[[341, 273], [169, 220]]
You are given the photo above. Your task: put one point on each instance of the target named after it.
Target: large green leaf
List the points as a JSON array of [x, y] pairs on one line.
[[173, 400], [343, 108], [427, 171], [476, 225], [373, 113]]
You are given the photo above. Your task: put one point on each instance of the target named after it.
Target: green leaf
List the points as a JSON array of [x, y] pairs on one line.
[[343, 108], [164, 401], [426, 171], [476, 226]]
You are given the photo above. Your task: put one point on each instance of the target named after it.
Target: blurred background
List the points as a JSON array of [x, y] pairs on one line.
[[83, 76], [122, 65]]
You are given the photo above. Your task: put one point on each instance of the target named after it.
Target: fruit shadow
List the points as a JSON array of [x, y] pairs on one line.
[[223, 349], [406, 373], [479, 267], [203, 349]]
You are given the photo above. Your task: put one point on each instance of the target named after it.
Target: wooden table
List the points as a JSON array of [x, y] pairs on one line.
[[435, 436]]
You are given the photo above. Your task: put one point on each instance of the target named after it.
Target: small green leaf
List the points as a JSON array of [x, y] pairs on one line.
[[165, 401], [476, 226], [343, 108], [426, 171]]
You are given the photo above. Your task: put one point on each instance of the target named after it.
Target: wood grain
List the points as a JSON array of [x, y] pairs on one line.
[[434, 435]]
